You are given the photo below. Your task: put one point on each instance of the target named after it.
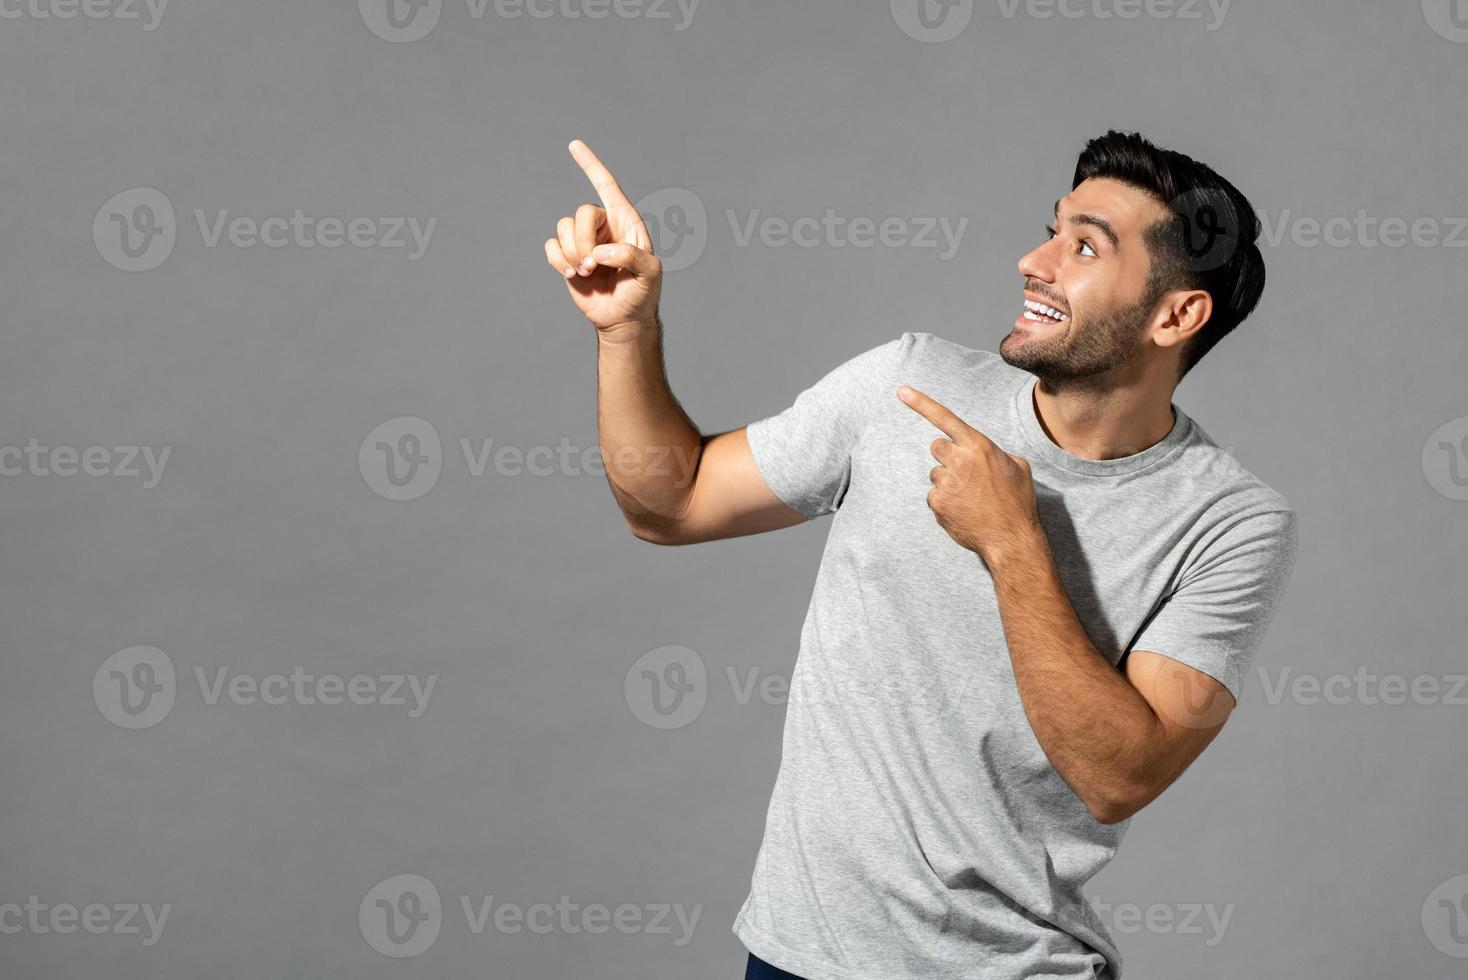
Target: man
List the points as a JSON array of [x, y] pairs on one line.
[[1010, 652]]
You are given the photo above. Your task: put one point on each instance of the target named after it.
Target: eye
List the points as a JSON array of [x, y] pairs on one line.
[[1084, 243]]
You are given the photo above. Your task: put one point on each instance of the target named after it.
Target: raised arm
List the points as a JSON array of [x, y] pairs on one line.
[[673, 484]]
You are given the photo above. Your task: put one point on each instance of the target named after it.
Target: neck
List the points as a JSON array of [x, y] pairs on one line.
[[1110, 421]]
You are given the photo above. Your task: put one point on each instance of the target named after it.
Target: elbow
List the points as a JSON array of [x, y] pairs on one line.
[[1110, 815], [655, 532], [1116, 805]]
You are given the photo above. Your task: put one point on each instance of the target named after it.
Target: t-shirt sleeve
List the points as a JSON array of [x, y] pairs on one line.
[[804, 452], [1215, 620]]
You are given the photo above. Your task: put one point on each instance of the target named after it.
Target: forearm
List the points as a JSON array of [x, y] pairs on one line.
[[1094, 726], [649, 445]]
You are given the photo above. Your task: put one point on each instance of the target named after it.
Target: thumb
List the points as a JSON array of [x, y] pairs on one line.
[[621, 255]]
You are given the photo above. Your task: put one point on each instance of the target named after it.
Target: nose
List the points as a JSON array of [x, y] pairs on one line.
[[1039, 263]]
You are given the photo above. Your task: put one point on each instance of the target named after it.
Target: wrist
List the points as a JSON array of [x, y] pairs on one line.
[[630, 332], [1024, 546]]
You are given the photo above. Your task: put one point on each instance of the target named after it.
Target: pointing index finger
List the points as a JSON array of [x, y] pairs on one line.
[[937, 413], [601, 178]]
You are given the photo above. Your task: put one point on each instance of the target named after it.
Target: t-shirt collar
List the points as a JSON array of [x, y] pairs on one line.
[[1038, 444]]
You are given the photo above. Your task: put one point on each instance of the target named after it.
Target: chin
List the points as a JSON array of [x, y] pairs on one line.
[[1015, 352]]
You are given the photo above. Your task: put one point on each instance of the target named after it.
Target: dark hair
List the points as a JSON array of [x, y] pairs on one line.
[[1209, 242]]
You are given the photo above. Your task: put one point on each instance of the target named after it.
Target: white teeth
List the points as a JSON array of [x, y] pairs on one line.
[[1048, 311]]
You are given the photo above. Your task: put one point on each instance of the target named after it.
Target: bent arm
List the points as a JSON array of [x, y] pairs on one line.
[[1117, 739], [674, 484]]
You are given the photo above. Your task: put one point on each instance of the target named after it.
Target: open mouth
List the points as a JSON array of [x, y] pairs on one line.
[[1042, 314]]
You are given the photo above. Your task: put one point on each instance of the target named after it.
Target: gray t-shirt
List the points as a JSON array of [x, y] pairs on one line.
[[917, 828]]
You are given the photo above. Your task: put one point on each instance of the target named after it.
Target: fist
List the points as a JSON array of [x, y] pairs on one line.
[[982, 496], [605, 255]]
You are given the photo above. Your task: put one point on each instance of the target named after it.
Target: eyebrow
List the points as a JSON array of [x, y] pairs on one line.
[[1101, 224]]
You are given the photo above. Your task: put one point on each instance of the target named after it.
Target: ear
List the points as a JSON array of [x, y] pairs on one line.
[[1181, 314]]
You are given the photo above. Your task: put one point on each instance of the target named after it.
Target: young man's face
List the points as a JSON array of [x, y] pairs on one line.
[[1093, 272]]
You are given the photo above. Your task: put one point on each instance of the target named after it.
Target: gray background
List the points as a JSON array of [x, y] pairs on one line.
[[1321, 829]]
